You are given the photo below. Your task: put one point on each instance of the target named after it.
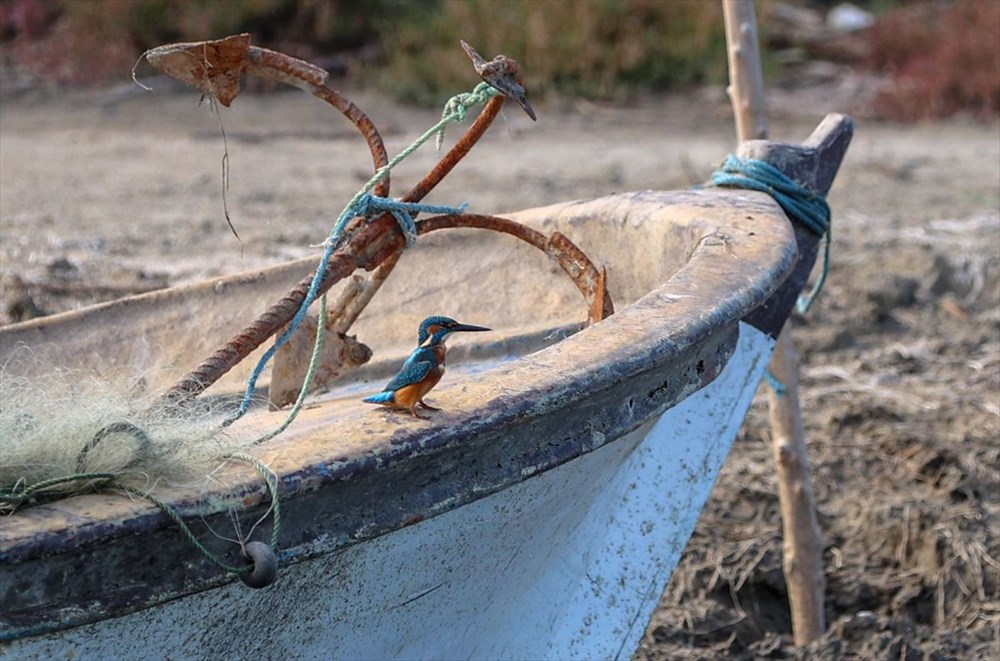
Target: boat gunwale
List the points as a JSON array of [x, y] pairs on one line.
[[403, 436]]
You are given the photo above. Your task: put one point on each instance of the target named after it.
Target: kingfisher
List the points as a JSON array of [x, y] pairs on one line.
[[423, 369], [503, 74]]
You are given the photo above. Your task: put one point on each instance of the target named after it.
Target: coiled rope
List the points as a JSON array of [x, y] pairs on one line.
[[801, 204]]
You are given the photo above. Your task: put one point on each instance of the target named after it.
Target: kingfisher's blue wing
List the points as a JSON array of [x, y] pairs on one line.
[[412, 372]]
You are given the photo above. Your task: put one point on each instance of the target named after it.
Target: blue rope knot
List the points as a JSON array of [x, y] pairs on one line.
[[369, 205], [800, 203]]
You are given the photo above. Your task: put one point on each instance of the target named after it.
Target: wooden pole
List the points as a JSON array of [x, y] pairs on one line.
[[803, 545], [746, 78]]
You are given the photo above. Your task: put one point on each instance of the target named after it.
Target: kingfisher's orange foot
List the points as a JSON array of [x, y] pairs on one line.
[[424, 405]]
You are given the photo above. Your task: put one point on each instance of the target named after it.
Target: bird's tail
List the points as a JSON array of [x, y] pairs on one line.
[[384, 397]]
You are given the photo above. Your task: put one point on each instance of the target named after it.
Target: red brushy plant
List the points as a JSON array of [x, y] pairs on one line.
[[74, 43], [941, 58]]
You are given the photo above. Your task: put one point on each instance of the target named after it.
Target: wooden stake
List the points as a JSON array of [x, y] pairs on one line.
[[746, 78], [803, 545]]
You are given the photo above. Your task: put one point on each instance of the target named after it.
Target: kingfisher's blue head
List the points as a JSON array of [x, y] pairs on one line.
[[437, 328]]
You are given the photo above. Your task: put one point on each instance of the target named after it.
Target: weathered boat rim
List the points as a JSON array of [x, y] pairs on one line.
[[700, 301]]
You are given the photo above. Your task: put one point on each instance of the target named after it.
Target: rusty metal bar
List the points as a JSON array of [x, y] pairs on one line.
[[590, 280], [273, 65]]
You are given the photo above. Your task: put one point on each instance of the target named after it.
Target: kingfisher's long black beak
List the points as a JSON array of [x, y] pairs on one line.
[[468, 327]]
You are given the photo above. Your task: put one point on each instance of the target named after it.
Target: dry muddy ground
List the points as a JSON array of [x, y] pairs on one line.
[[111, 193]]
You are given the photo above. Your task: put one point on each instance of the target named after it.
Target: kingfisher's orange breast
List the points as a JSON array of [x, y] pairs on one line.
[[408, 396]]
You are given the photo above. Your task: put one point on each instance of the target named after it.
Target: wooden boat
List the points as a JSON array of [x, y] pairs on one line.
[[540, 515]]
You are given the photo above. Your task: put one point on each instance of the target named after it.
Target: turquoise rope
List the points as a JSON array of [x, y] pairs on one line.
[[777, 386], [799, 203], [310, 374]]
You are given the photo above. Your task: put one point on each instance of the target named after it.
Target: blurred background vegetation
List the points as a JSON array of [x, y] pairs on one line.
[[932, 58]]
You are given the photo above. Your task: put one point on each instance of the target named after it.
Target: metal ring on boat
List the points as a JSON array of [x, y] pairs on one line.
[[265, 565]]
